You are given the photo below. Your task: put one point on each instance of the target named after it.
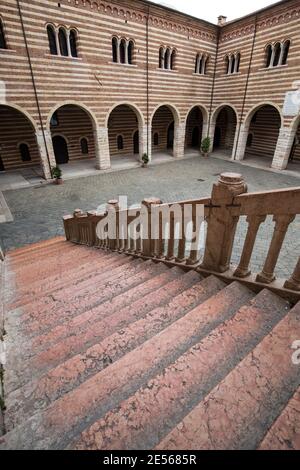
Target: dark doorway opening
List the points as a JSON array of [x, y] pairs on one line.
[[60, 148], [217, 137], [2, 168], [196, 137], [136, 143], [170, 137]]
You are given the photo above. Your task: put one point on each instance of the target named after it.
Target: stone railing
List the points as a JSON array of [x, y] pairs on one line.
[[229, 202]]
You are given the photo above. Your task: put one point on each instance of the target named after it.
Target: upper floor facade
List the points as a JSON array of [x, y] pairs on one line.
[[106, 52]]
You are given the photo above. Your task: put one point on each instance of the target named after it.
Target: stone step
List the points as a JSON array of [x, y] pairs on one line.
[[240, 410], [25, 281], [145, 418], [19, 353], [285, 432], [82, 269], [33, 247], [85, 364], [61, 249], [79, 295], [69, 415]]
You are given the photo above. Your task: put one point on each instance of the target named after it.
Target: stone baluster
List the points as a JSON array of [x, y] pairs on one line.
[[113, 210], [194, 252], [170, 250], [294, 282], [221, 223], [254, 223], [282, 223], [148, 245], [160, 242], [182, 241], [98, 217]]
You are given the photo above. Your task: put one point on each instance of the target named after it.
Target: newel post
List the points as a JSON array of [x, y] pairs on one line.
[[148, 244], [222, 222]]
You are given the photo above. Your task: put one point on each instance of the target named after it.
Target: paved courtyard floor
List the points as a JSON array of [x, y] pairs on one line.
[[37, 211]]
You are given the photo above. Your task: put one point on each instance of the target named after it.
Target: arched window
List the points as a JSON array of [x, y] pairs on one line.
[[237, 62], [206, 65], [249, 140], [120, 142], [161, 58], [115, 49], [130, 52], [84, 146], [196, 63], [25, 153], [54, 120], [52, 40], [232, 57], [73, 43], [173, 58], [227, 64], [285, 51], [63, 42], [167, 59], [268, 55], [2, 37], [277, 52], [122, 51], [156, 139]]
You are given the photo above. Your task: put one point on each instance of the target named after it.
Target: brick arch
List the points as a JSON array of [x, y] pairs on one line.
[[132, 106], [172, 108], [72, 103], [24, 112], [258, 106], [220, 108]]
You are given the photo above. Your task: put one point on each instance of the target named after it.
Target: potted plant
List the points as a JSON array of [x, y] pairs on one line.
[[145, 160], [56, 174], [205, 146]]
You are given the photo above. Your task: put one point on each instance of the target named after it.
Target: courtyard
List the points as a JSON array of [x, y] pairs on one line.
[[37, 210]]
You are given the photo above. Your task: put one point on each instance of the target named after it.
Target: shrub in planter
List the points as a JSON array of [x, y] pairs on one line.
[[145, 160], [205, 146], [57, 174]]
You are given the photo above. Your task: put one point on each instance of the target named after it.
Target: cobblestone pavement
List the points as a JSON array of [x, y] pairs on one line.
[[38, 211]]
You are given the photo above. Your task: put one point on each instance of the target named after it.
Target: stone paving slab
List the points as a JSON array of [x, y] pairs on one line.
[[38, 211]]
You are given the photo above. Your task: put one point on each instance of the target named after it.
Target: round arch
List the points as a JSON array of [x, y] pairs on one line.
[[22, 111], [263, 121], [132, 106], [219, 109], [72, 103], [257, 107], [203, 110], [172, 108]]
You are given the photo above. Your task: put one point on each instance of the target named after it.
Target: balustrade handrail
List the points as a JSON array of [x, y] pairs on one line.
[[221, 212]]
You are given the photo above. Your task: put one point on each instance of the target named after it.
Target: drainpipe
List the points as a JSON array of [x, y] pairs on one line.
[[246, 88], [147, 76], [214, 81], [33, 82]]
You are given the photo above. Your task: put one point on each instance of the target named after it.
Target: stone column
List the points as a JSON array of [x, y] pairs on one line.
[[102, 148], [42, 143], [143, 141], [68, 43], [126, 52], [242, 142], [210, 132], [57, 42], [283, 148], [144, 148], [179, 137]]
